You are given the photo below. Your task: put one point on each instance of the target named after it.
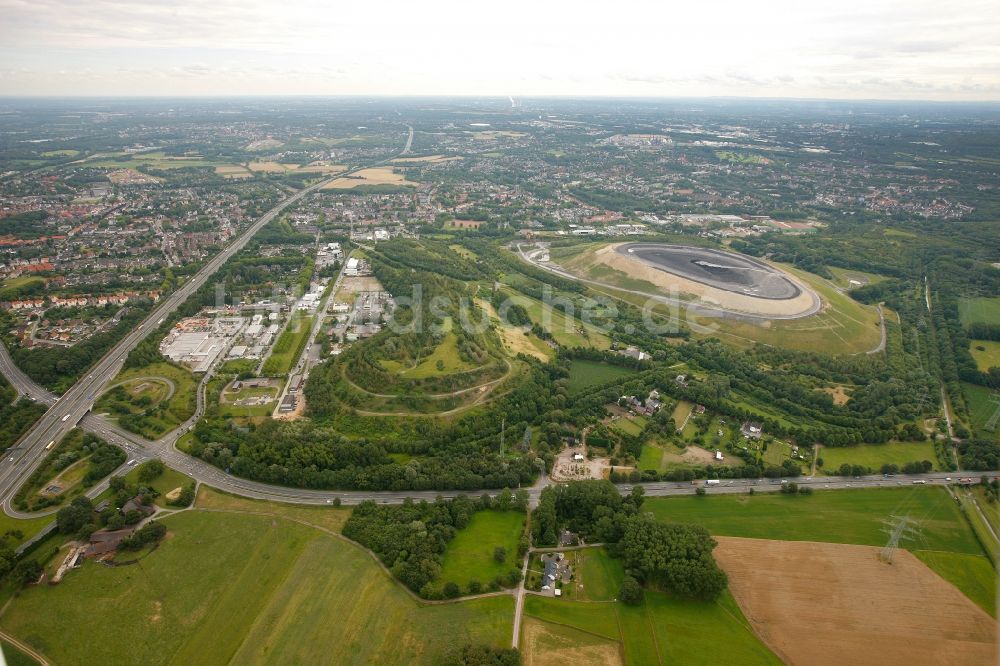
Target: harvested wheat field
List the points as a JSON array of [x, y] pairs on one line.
[[547, 644], [372, 176], [824, 603]]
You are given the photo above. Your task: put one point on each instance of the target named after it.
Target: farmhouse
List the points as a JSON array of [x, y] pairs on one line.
[[751, 430]]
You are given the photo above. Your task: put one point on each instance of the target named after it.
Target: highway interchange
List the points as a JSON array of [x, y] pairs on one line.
[[73, 408]]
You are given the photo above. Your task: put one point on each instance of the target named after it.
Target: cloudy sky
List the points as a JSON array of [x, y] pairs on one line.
[[887, 49]]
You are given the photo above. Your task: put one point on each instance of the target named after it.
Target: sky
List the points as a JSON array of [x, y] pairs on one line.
[[851, 49]]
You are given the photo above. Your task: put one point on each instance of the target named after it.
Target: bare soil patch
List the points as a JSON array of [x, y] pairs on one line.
[[824, 603], [838, 393], [547, 644]]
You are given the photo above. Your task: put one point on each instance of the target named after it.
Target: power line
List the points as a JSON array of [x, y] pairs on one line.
[[897, 527]]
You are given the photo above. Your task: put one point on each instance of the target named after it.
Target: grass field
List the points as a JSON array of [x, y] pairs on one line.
[[446, 353], [983, 402], [985, 310], [162, 484], [843, 516], [584, 374], [651, 457], [162, 414], [13, 287], [515, 339], [469, 556], [599, 576], [289, 346], [327, 517], [13, 656], [251, 590], [662, 630], [630, 426], [844, 326], [842, 277], [566, 331], [988, 357], [876, 455], [972, 574]]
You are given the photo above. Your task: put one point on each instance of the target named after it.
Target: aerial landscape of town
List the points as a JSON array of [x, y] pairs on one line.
[[489, 379]]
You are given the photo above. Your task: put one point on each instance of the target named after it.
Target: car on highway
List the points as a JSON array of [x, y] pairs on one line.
[[65, 418]]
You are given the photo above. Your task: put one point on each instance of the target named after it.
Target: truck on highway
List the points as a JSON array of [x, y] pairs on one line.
[[919, 481], [712, 482], [50, 445], [65, 418]]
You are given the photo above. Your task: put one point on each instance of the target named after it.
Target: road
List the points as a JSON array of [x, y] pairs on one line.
[[72, 406]]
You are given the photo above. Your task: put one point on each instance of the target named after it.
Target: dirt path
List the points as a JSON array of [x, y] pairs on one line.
[[24, 648]]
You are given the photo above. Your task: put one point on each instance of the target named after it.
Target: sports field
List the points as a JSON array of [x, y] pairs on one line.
[[469, 556], [246, 589], [584, 374], [876, 455]]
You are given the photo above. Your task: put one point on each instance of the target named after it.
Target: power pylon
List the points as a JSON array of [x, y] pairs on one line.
[[897, 527]]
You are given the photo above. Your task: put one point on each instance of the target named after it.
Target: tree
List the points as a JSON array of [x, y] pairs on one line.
[[522, 499], [499, 554], [631, 592], [504, 499], [151, 469], [451, 590], [27, 571], [673, 556], [73, 517]]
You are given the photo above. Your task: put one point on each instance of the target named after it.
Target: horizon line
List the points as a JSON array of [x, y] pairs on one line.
[[594, 96]]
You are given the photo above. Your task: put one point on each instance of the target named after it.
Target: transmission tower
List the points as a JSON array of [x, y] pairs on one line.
[[897, 527]]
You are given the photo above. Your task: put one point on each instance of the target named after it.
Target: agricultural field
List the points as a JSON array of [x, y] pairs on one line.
[[151, 400], [874, 456], [663, 630], [289, 346], [986, 353], [12, 288], [374, 176], [584, 374], [269, 590], [979, 310], [469, 555], [877, 615]]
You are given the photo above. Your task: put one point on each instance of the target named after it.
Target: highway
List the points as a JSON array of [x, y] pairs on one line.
[[73, 408], [69, 409]]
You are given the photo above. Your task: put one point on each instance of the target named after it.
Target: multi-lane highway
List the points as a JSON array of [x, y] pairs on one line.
[[73, 408], [69, 409]]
